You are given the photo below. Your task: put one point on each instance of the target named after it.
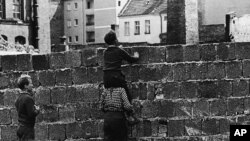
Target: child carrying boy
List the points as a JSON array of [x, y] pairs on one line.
[[113, 57]]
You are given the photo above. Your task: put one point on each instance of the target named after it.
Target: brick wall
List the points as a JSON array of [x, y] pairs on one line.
[[212, 33], [190, 92]]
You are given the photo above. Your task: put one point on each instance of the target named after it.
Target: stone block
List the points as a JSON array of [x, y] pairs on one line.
[[240, 88], [14, 116], [8, 133], [57, 60], [43, 96], [168, 90], [13, 77], [174, 53], [79, 75], [139, 91], [246, 68], [179, 72], [91, 92], [4, 81], [208, 89], [5, 118], [225, 88], [216, 70], [64, 77], [177, 128], [47, 78], [94, 74], [100, 53], [24, 62], [167, 108], [9, 62], [200, 108], [67, 113], [208, 52], [242, 50], [150, 109], [188, 90], [90, 129], [58, 95], [41, 132], [1, 98], [148, 73], [235, 106], [89, 57], [196, 71], [71, 94], [49, 114], [218, 107], [183, 108], [143, 54], [40, 62], [74, 130], [34, 78], [233, 69], [193, 127], [73, 59], [164, 72], [224, 126], [156, 54], [191, 53], [57, 131], [211, 126], [10, 95], [134, 74], [226, 51]]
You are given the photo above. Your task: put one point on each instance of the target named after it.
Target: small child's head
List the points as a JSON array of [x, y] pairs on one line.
[[110, 38]]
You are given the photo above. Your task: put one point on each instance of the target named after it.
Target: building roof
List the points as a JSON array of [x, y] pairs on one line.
[[144, 7]]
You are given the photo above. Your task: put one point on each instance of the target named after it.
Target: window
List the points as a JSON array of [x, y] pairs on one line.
[[137, 27], [68, 7], [90, 36], [76, 38], [69, 23], [70, 39], [76, 22], [126, 32], [119, 3], [17, 9], [5, 37], [20, 40], [165, 18], [147, 26], [76, 5], [90, 20], [2, 9]]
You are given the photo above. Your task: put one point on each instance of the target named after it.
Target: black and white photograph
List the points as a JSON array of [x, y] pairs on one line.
[[124, 70]]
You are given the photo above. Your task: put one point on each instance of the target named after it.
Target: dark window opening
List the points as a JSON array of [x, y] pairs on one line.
[[5, 37], [20, 40]]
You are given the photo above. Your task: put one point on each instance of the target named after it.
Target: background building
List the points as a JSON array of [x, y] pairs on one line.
[[143, 21]]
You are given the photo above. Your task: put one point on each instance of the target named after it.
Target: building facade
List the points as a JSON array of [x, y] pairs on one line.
[[143, 21], [16, 20], [87, 21], [26, 22]]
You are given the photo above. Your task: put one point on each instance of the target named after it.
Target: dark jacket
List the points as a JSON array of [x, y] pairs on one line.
[[26, 110], [113, 57]]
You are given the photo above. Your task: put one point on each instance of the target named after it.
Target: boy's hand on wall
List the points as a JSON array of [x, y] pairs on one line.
[[136, 54]]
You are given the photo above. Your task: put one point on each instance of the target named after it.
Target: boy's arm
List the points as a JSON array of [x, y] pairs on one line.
[[127, 57], [127, 105], [31, 109]]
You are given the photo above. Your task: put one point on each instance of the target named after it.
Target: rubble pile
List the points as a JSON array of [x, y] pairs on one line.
[[10, 48]]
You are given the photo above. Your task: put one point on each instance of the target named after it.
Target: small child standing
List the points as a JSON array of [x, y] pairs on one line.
[[113, 57]]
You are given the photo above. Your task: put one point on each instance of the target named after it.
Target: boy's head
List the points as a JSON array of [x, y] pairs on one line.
[[24, 82], [110, 38]]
